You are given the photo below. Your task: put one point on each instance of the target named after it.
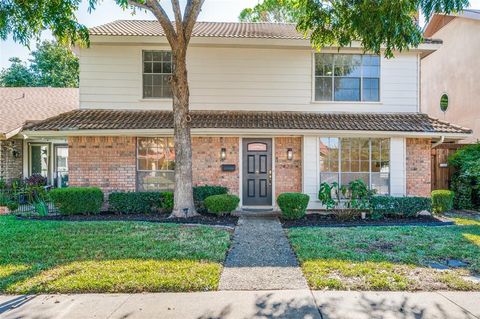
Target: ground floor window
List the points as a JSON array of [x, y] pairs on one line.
[[155, 163], [343, 160]]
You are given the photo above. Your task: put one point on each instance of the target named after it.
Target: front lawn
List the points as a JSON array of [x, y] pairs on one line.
[[388, 258], [67, 257]]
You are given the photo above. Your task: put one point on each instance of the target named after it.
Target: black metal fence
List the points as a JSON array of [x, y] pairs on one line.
[[25, 199]]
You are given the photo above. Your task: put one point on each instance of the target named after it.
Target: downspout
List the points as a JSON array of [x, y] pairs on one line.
[[442, 139]]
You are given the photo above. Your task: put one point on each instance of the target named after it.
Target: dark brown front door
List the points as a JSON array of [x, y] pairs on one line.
[[257, 172]]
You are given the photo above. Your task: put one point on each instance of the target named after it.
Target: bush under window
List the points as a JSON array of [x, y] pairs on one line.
[[221, 204], [77, 200], [400, 207], [293, 205], [442, 200], [200, 193], [140, 202]]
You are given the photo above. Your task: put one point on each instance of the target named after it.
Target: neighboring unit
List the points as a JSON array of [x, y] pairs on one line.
[[21, 156], [268, 114], [452, 71]]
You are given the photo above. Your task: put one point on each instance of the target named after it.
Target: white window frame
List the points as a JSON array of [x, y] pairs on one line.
[[369, 161], [136, 159], [142, 93], [313, 79]]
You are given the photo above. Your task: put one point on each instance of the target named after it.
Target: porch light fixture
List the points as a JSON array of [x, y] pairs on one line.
[[289, 154], [223, 154]]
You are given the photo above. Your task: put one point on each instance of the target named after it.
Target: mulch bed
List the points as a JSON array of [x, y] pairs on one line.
[[328, 220], [203, 219]]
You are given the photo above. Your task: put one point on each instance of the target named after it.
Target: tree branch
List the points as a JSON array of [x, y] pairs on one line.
[[192, 10], [162, 17], [178, 16]]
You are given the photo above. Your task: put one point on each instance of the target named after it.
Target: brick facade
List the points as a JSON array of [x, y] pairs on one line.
[[105, 162], [418, 167], [11, 167], [288, 173], [207, 164]]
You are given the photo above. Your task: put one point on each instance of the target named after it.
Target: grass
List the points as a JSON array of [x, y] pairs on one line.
[[388, 258], [80, 257]]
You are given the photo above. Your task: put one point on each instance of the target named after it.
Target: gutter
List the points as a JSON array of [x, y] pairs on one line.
[[442, 139]]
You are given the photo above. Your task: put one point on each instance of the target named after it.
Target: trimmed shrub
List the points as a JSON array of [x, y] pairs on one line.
[[221, 204], [77, 200], [293, 205], [442, 200], [135, 202], [200, 193], [167, 201], [400, 207]]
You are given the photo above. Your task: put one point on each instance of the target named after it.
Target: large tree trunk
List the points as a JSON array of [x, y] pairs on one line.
[[183, 194]]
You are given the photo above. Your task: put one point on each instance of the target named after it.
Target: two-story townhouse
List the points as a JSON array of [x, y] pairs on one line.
[[268, 113]]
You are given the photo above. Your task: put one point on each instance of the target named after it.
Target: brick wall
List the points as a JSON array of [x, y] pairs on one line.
[[105, 162], [288, 173], [11, 167], [206, 162], [418, 167]]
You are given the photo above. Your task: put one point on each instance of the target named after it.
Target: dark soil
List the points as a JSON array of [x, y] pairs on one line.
[[328, 220], [203, 219]]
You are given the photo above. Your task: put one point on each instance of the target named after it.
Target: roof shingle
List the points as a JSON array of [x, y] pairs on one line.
[[201, 29], [151, 120], [22, 104]]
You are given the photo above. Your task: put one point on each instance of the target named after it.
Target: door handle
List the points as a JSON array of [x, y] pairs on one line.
[[270, 177]]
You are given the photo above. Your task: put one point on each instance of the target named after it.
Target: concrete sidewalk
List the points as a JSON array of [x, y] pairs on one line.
[[247, 304]]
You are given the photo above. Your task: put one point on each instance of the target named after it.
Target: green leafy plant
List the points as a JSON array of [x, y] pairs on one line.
[[221, 204], [135, 202], [399, 207], [329, 195], [167, 201], [466, 180], [200, 193], [358, 195], [293, 205], [41, 207], [442, 200], [77, 200]]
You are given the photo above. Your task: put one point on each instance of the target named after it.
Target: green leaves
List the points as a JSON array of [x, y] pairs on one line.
[[25, 20], [52, 65], [381, 26]]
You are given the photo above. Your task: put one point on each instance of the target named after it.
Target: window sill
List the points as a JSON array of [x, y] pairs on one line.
[[347, 102], [156, 100]]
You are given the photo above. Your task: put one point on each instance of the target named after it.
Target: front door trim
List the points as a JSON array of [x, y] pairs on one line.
[[243, 170]]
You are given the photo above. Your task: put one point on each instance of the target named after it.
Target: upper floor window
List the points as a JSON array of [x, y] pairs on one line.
[[347, 77], [157, 70]]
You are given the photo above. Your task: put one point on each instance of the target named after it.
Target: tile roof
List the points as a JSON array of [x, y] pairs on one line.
[[259, 30], [151, 119], [202, 29], [22, 104]]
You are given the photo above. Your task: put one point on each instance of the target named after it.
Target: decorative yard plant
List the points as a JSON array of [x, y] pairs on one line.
[[293, 205]]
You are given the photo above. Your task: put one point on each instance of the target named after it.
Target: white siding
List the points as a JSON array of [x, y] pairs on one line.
[[397, 166], [227, 78]]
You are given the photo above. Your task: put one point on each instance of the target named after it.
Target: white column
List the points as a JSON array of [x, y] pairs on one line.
[[397, 166]]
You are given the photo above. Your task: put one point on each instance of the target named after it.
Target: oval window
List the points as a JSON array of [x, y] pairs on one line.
[[444, 102], [257, 147]]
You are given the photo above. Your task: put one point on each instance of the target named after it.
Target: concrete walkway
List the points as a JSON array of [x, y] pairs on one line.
[[246, 304], [261, 258]]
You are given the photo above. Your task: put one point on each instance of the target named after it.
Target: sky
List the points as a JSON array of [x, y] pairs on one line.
[[107, 11]]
